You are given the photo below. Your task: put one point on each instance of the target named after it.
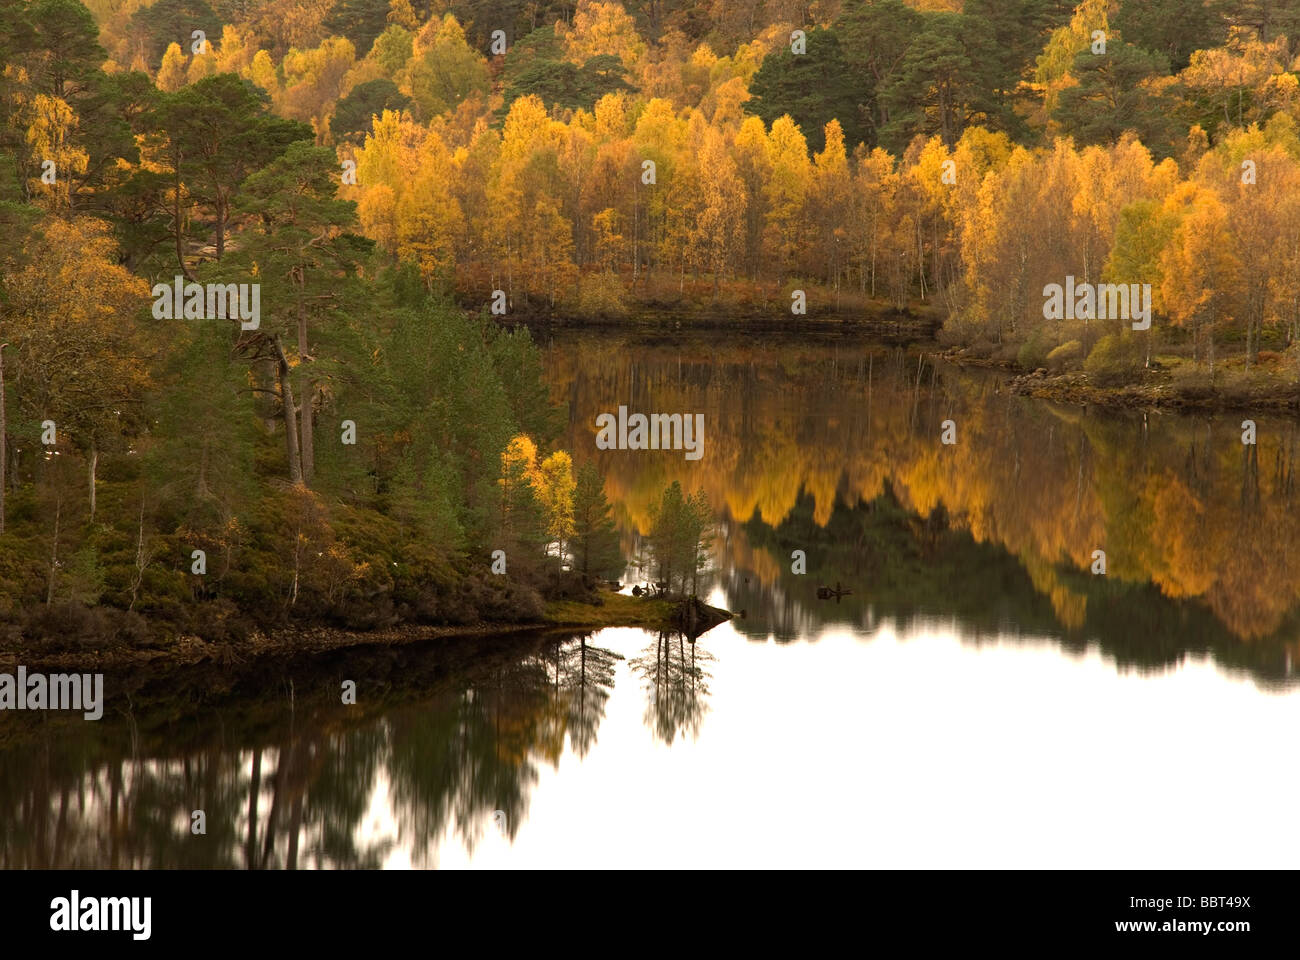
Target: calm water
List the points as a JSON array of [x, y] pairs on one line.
[[979, 698]]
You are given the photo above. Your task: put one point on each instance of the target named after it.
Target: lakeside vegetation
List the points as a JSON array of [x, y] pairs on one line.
[[811, 433], [935, 155], [360, 456]]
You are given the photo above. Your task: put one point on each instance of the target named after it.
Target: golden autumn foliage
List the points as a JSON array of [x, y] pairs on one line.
[[1180, 506], [71, 357]]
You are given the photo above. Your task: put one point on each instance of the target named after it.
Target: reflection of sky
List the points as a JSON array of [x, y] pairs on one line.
[[916, 751]]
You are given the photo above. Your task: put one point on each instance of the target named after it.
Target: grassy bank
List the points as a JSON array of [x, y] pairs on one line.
[[614, 610], [697, 304], [1172, 384], [1123, 377]]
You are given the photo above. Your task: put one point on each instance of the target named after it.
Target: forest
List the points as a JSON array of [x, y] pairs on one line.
[[387, 171], [599, 159], [1185, 512]]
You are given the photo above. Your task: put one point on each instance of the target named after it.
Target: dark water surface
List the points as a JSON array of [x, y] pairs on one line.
[[979, 698]]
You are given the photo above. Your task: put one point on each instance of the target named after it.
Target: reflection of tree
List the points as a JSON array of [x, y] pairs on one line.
[[457, 759], [453, 733], [1177, 502], [326, 782], [477, 750], [295, 804], [914, 569], [672, 670], [586, 675]]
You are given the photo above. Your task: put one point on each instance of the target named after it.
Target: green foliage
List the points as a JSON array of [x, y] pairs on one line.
[[202, 463], [595, 545], [172, 21], [942, 86], [1172, 28], [447, 73], [889, 72], [66, 34], [518, 363], [392, 49], [1115, 360], [1066, 355], [215, 133], [354, 113], [873, 39], [812, 88], [1033, 352], [1114, 94], [1143, 230], [361, 21], [680, 536], [81, 580], [561, 84], [448, 395]]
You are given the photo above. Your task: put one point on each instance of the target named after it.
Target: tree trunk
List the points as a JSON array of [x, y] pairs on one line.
[[176, 224], [203, 492], [93, 466], [4, 444], [54, 551], [254, 788], [308, 397], [221, 226], [295, 828], [140, 560], [290, 416]]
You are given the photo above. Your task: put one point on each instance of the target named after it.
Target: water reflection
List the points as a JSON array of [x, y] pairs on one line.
[[832, 447], [674, 675], [847, 751], [289, 777], [970, 653]]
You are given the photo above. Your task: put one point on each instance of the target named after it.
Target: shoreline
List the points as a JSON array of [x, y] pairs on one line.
[[728, 317], [1074, 388], [1153, 390], [309, 641]]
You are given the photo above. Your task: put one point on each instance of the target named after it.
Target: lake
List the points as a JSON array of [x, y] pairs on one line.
[[1066, 639]]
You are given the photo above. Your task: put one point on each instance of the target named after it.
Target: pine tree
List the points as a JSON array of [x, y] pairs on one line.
[[595, 544], [303, 253]]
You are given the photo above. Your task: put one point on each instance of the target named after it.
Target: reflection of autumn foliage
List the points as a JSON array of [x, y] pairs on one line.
[[672, 671], [1071, 608], [1172, 501], [445, 733], [764, 566], [1186, 566]]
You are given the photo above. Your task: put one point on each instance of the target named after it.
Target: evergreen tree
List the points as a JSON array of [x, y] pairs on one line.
[[595, 545], [161, 24], [202, 464], [945, 82], [680, 536], [65, 45], [1115, 94], [302, 252], [354, 114], [217, 131], [813, 88], [1173, 28], [361, 21]]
